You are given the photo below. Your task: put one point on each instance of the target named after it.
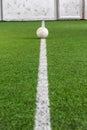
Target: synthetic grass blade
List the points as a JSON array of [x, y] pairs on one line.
[[67, 72], [19, 58]]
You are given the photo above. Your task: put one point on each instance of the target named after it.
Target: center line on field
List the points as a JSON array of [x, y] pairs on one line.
[[42, 118]]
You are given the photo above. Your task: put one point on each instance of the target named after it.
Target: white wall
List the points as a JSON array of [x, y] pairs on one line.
[[42, 9], [70, 9], [28, 9], [85, 9]]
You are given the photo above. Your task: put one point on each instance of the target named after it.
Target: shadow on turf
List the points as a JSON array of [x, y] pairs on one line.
[[32, 38], [26, 38]]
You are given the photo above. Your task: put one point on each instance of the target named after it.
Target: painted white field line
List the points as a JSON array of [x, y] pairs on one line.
[[42, 118]]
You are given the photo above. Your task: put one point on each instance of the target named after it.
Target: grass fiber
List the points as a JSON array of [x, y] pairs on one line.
[[67, 73], [19, 58]]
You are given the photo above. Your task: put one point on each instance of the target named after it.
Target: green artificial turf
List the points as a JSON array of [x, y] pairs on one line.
[[67, 73], [19, 58]]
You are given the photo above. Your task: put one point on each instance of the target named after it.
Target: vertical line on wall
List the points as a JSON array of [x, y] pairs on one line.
[[57, 8], [1, 10], [83, 9]]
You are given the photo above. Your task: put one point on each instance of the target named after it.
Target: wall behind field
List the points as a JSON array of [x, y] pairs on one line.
[[18, 10], [70, 9], [28, 9]]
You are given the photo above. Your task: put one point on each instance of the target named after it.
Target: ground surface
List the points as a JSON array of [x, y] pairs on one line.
[[67, 74], [19, 59], [67, 67]]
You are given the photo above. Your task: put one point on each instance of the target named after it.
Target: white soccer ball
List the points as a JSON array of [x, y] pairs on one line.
[[42, 32]]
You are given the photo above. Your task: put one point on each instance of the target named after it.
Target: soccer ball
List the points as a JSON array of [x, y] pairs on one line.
[[42, 32]]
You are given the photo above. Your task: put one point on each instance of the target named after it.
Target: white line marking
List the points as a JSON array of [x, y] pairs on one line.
[[42, 118]]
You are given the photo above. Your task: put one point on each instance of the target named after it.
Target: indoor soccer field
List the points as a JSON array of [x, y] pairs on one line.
[[67, 74]]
